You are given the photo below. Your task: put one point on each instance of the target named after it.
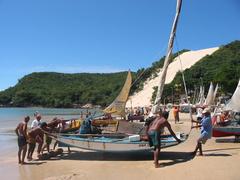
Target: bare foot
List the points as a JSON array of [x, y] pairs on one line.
[[22, 163], [19, 162], [157, 165]]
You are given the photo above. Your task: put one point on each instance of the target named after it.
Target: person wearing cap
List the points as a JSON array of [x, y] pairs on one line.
[[154, 130], [206, 130]]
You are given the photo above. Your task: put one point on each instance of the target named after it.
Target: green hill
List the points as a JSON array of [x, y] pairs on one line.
[[49, 89]]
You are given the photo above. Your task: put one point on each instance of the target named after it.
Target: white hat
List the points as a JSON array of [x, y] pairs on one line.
[[206, 110]]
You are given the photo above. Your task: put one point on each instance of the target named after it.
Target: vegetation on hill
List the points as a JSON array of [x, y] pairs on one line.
[[49, 89]]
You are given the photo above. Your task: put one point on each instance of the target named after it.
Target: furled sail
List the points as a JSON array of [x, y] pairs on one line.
[[118, 105], [234, 103]]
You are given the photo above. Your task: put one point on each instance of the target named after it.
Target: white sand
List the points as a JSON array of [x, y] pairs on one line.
[[182, 62]]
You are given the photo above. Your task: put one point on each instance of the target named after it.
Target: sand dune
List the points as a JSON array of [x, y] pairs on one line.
[[182, 62]]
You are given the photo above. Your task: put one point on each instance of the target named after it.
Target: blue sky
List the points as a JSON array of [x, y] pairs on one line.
[[105, 35]]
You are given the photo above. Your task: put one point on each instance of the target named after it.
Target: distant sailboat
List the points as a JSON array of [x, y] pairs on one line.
[[234, 103], [210, 95], [201, 98]]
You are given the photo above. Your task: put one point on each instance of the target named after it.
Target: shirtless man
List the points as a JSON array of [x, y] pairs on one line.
[[36, 135], [21, 132], [52, 125], [154, 132]]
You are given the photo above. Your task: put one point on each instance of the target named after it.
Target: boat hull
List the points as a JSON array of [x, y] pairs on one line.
[[219, 131], [113, 145]]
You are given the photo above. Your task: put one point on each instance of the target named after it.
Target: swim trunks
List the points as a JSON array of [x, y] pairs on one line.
[[154, 138], [21, 141], [48, 139]]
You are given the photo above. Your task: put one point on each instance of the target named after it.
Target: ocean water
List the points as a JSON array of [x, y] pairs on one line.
[[10, 117]]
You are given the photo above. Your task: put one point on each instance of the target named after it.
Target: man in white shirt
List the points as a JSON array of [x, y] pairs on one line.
[[36, 122]]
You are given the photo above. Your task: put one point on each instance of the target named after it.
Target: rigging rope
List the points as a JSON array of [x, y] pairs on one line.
[[185, 87], [162, 50]]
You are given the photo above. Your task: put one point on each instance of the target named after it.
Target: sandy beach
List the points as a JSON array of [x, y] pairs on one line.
[[221, 161]]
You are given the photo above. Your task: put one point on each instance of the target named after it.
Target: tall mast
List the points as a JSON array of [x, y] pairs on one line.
[[167, 59]]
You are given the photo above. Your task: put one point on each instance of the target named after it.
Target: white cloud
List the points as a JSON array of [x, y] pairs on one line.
[[74, 69]]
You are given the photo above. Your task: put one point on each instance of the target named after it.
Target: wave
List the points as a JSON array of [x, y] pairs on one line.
[[7, 134], [6, 131]]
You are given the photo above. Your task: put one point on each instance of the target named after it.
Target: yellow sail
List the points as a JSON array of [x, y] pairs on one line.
[[118, 105]]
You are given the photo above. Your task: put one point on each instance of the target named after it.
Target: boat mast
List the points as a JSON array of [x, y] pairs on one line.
[[167, 58]]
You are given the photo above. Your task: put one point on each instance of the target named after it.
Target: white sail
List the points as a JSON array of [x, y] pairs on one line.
[[202, 97], [215, 93], [210, 94], [234, 103], [167, 59]]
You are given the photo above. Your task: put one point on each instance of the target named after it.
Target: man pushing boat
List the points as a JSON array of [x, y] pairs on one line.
[[154, 130]]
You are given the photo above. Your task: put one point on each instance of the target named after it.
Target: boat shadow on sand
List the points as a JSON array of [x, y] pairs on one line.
[[174, 157]]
